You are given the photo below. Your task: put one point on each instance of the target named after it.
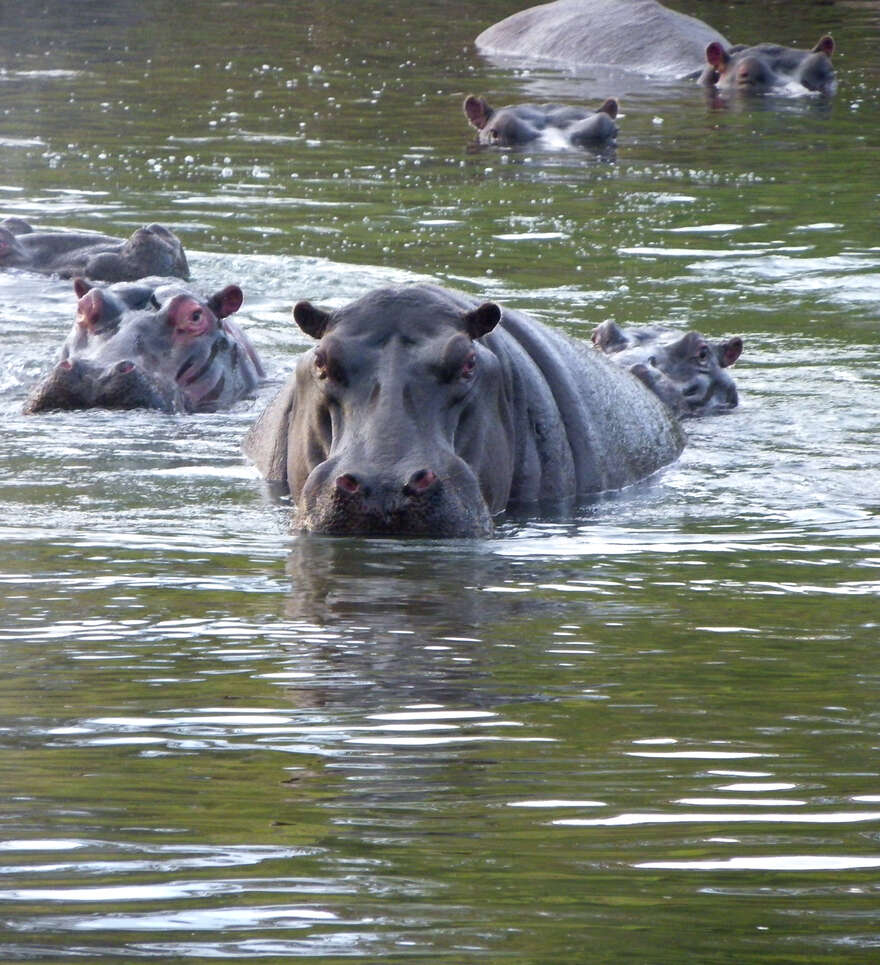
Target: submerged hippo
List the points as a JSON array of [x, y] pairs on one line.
[[523, 124], [152, 344], [769, 67], [687, 372], [645, 36], [152, 250], [638, 35], [422, 412]]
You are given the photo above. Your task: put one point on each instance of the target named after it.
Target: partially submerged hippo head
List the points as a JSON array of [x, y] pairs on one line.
[[522, 124], [152, 250], [151, 344], [688, 373], [768, 67]]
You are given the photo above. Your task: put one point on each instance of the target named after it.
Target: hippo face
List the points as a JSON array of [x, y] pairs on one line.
[[687, 373], [523, 124], [383, 406], [768, 67], [151, 344]]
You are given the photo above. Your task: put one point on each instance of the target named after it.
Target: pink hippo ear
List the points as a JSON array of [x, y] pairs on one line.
[[825, 46], [717, 56], [482, 319], [81, 286], [729, 351], [477, 111], [313, 321], [226, 302]]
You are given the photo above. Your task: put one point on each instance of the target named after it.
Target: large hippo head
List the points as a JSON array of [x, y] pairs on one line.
[[150, 344], [392, 415], [769, 67]]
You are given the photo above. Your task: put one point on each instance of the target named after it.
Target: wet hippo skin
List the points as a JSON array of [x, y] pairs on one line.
[[421, 411]]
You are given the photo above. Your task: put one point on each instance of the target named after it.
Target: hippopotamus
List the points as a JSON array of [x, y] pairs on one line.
[[151, 251], [154, 344], [522, 124], [646, 37], [425, 412], [638, 35], [769, 67], [687, 372]]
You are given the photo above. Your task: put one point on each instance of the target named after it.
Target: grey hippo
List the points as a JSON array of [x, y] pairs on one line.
[[646, 37], [688, 372], [552, 124], [425, 412], [151, 250], [156, 344]]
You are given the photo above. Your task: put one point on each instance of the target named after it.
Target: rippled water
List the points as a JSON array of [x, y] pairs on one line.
[[643, 733]]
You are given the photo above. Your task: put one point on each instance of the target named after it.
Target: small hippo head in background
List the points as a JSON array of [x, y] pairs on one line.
[[150, 251], [768, 67], [152, 344], [687, 372], [522, 124]]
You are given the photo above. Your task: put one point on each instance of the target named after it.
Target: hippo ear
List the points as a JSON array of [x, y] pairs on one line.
[[313, 321], [482, 319], [729, 351], [226, 302], [81, 286], [477, 111], [717, 56], [825, 46], [609, 107]]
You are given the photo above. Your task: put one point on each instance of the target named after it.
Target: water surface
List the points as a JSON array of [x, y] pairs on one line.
[[645, 732]]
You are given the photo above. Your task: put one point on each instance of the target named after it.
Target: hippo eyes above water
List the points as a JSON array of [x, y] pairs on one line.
[[326, 368]]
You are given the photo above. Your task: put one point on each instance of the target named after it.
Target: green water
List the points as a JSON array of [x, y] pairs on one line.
[[646, 733]]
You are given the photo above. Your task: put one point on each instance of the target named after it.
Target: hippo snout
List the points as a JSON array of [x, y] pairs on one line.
[[402, 502], [81, 384]]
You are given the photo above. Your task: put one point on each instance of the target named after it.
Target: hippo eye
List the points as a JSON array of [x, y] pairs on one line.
[[326, 368], [703, 353], [494, 132], [468, 367]]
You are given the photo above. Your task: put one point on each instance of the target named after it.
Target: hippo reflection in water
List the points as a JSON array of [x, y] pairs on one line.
[[423, 412], [552, 124], [152, 250], [152, 344], [687, 372], [647, 37]]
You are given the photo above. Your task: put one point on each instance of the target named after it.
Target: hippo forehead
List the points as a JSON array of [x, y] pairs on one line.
[[417, 314]]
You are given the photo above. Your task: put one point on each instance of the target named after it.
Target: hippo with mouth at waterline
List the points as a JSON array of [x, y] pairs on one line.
[[423, 412], [646, 37], [522, 124], [766, 68], [153, 344], [150, 251], [687, 372]]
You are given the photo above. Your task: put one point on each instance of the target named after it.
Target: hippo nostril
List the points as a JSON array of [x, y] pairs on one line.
[[347, 483], [420, 482]]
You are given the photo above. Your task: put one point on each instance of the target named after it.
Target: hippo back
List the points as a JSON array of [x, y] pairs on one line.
[[580, 427], [638, 35]]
